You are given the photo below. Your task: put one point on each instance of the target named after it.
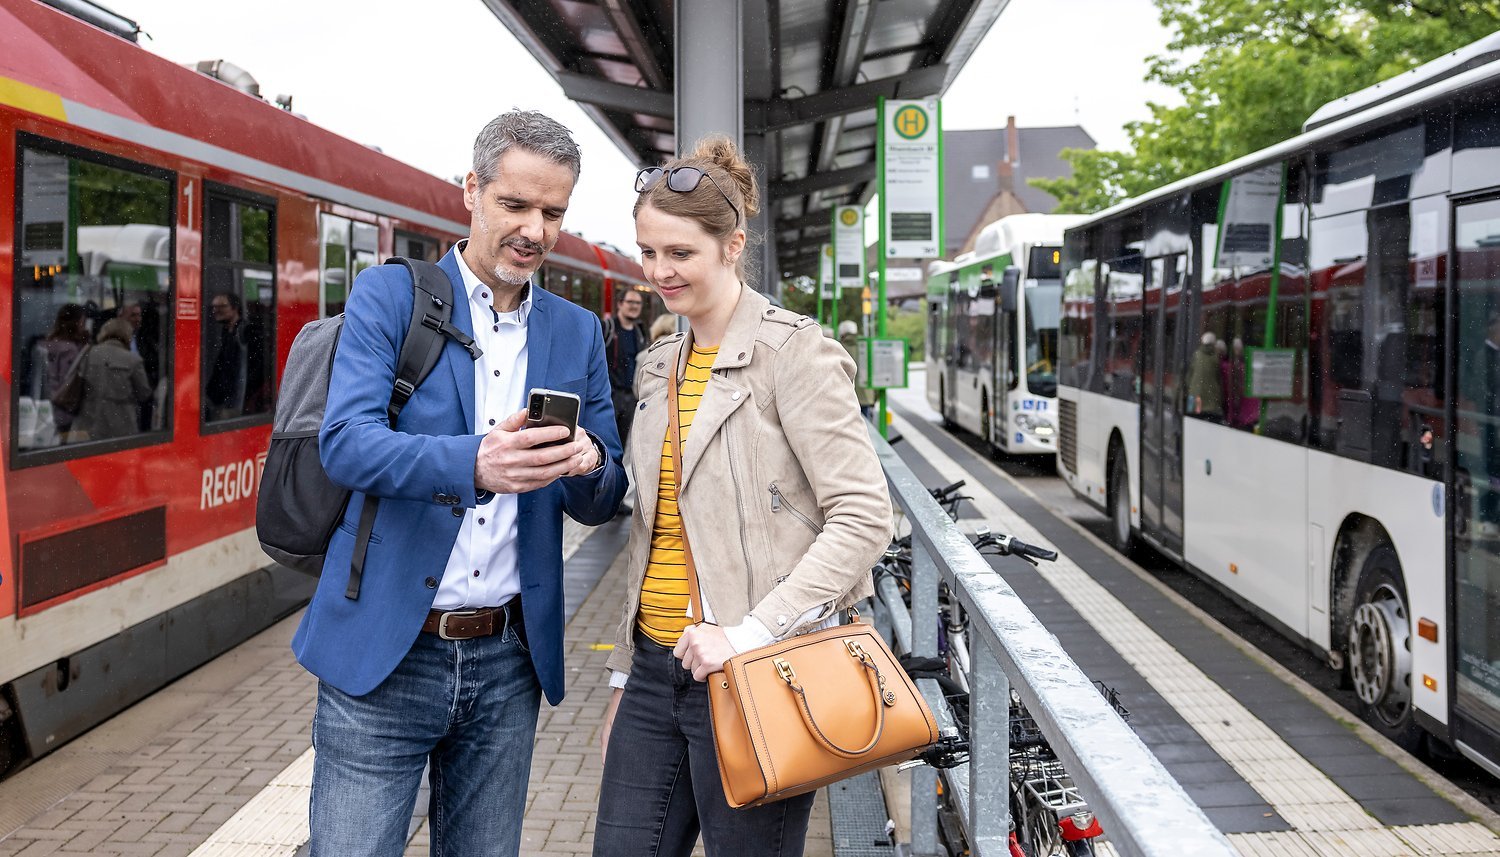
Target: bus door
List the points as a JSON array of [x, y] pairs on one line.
[[1475, 481], [1162, 352]]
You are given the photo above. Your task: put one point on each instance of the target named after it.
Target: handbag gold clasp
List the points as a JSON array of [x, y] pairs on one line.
[[856, 650], [785, 670]]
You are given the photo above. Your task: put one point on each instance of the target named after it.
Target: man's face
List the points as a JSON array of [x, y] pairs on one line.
[[132, 316], [630, 306], [222, 309], [517, 216]]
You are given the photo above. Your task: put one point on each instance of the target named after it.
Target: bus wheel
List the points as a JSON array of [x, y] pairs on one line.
[[1380, 650], [943, 403], [1119, 503]]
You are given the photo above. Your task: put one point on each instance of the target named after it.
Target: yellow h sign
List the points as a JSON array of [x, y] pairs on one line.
[[910, 121]]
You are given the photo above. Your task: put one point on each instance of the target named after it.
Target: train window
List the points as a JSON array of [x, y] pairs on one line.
[[348, 247], [239, 296], [93, 298], [414, 246]]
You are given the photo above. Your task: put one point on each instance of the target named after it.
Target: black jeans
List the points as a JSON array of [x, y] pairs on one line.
[[661, 776]]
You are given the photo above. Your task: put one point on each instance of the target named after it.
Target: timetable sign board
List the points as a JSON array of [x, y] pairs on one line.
[[849, 246], [825, 273], [912, 179], [887, 366]]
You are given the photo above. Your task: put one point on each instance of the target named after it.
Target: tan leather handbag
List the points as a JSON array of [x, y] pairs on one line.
[[810, 710]]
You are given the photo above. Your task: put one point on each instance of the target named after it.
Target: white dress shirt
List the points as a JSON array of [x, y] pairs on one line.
[[482, 569]]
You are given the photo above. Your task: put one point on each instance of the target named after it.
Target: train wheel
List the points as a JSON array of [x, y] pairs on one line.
[[1119, 503], [1380, 650]]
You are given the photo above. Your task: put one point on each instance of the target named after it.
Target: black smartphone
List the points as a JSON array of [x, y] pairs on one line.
[[553, 408]]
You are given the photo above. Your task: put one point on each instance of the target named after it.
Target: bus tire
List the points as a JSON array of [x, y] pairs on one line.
[[1120, 535], [943, 403], [1380, 649]]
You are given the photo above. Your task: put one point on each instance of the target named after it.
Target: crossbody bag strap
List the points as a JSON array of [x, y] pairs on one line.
[[674, 432]]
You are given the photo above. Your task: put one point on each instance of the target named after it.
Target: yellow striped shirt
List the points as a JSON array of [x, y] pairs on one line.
[[664, 594]]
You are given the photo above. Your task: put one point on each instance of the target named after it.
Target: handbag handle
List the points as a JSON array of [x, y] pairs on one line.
[[883, 698], [674, 431]]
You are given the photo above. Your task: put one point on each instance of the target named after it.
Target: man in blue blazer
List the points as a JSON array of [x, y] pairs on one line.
[[457, 628]]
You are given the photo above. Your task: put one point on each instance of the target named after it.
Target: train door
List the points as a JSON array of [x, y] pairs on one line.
[[1161, 406], [1474, 538]]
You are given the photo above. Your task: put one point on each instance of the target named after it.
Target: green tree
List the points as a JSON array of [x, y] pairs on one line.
[[1250, 72]]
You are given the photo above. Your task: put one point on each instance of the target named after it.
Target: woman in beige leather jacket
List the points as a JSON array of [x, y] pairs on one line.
[[781, 495]]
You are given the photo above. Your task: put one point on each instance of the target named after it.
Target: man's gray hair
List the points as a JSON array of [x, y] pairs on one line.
[[527, 129]]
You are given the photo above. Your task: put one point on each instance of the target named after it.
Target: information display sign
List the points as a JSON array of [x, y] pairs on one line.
[[825, 273], [887, 366], [849, 246], [911, 179]]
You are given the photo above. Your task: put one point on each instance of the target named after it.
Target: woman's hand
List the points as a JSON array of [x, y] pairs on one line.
[[703, 649], [609, 722]]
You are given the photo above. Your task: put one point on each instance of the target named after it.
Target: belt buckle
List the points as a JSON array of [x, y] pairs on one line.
[[443, 623]]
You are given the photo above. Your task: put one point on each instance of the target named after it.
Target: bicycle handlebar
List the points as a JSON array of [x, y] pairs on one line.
[[940, 494]]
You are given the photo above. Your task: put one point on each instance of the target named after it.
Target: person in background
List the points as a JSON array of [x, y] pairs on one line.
[[1205, 394], [849, 338], [224, 389], [763, 400], [55, 354], [664, 326], [624, 338], [115, 385]]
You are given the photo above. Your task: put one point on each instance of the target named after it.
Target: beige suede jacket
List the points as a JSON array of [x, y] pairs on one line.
[[784, 501]]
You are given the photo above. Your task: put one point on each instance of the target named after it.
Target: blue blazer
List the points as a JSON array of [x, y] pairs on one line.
[[355, 644]]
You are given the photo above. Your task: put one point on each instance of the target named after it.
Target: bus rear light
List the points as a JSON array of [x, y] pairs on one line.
[[1234, 568], [1430, 683], [1427, 630]]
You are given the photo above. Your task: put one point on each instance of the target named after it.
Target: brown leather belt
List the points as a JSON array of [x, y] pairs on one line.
[[481, 622]]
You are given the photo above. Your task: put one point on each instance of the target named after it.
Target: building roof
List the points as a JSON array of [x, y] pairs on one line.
[[972, 177]]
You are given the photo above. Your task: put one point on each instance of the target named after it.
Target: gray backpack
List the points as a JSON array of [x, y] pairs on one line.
[[299, 506]]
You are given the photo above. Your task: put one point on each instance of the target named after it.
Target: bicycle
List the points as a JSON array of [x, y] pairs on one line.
[[1048, 814]]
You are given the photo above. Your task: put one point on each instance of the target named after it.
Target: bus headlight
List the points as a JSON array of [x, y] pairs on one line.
[[1039, 426]]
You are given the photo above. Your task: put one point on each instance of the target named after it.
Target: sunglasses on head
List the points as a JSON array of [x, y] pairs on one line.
[[681, 180]]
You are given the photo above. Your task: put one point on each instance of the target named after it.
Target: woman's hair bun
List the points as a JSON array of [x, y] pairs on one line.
[[721, 151]]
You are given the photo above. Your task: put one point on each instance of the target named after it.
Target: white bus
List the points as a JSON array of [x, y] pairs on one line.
[[992, 318], [1284, 373]]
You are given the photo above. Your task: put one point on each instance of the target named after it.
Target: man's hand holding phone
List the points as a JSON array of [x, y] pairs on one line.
[[513, 460]]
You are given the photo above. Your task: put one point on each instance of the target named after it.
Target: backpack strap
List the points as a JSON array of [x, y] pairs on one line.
[[431, 325]]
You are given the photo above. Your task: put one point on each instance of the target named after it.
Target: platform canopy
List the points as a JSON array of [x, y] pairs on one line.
[[809, 73]]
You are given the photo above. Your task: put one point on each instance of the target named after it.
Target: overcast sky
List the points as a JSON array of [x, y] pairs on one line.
[[419, 79]]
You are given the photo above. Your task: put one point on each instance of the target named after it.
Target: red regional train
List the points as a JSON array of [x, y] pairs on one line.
[[164, 234]]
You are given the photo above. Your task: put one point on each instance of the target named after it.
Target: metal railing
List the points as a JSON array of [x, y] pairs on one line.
[[1142, 808]]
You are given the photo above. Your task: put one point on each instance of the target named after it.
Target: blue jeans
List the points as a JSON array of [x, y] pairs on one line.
[[469, 707], [661, 776]]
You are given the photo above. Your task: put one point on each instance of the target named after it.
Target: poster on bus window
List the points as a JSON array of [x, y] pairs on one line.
[[848, 247], [1247, 220], [911, 178], [1271, 373]]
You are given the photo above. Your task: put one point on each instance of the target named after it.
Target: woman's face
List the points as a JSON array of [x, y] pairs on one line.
[[691, 270]]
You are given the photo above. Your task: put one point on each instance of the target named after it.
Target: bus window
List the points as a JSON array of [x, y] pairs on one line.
[[1379, 383], [1076, 338], [239, 295], [93, 299], [1123, 276]]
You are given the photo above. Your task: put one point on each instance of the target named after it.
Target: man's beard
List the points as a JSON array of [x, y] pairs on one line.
[[505, 273]]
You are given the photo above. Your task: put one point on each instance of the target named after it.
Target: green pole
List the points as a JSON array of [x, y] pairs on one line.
[[882, 416]]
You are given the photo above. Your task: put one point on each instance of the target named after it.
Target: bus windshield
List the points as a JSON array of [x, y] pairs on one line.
[[1043, 312]]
